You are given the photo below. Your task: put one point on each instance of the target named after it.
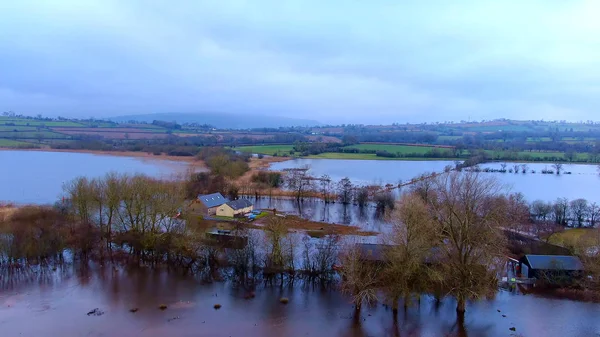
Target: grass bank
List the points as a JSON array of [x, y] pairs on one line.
[[571, 237], [271, 150]]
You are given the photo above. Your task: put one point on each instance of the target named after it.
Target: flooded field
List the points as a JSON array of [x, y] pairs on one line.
[[64, 303], [37, 177], [583, 182]]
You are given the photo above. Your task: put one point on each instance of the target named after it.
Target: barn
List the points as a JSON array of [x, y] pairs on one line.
[[551, 268]]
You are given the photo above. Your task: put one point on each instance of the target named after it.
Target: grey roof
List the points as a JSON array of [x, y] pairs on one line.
[[212, 200], [239, 204], [554, 262]]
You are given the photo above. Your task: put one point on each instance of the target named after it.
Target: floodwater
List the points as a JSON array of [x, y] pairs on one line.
[[583, 182], [58, 305], [316, 210], [37, 177]]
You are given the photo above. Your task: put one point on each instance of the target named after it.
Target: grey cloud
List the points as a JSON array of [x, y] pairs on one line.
[[346, 61]]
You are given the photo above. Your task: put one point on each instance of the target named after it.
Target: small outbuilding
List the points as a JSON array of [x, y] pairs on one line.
[[235, 208], [551, 268]]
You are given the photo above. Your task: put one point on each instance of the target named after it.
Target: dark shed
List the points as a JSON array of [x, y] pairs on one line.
[[551, 267]]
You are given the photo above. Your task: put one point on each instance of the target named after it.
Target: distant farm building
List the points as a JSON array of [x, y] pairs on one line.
[[235, 208], [551, 268], [207, 204]]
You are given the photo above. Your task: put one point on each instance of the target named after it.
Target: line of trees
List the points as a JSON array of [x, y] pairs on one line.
[[575, 213], [344, 191]]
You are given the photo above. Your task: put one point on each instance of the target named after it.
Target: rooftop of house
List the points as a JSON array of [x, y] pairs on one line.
[[239, 204], [212, 200], [553, 262]]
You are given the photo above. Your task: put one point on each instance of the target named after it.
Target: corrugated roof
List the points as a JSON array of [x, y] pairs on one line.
[[239, 204], [212, 200], [554, 262]]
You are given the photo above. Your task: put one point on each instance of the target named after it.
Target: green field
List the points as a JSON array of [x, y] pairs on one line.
[[448, 138], [8, 128], [266, 149], [33, 135], [367, 156], [33, 122], [496, 128], [525, 155], [15, 143], [402, 149]]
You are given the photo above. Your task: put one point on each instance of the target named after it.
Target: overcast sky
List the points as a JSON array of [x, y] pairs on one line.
[[338, 61]]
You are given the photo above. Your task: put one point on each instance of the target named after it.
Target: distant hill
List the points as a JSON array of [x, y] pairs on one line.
[[220, 120]]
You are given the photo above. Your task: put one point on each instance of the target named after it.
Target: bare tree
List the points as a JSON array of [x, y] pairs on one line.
[[360, 279], [299, 181], [345, 189], [557, 167], [541, 210], [423, 186], [325, 184], [594, 213], [579, 211], [560, 210], [524, 168], [516, 168], [503, 167], [362, 196], [545, 230], [467, 212]]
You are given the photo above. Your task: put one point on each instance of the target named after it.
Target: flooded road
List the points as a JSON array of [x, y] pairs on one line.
[[58, 305]]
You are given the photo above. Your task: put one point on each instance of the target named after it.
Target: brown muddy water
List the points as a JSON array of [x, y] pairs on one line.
[[58, 303]]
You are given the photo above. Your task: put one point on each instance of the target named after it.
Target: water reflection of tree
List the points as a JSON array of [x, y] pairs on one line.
[[346, 215]]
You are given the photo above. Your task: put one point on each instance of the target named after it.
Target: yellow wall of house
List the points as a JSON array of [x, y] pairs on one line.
[[225, 210]]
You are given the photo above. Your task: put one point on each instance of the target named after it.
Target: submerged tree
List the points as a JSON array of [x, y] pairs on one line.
[[345, 189], [468, 210], [557, 167], [362, 196], [299, 181], [360, 279], [410, 249], [325, 186]]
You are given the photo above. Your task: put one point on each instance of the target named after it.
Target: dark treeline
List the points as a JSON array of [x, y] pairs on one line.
[[575, 213]]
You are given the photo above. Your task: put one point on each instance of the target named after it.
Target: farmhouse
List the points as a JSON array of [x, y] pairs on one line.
[[551, 268], [235, 208], [207, 204]]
